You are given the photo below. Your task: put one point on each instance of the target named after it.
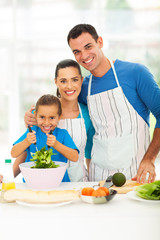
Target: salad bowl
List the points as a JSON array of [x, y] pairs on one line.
[[43, 178]]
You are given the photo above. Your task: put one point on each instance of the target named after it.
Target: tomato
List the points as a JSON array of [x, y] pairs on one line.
[[104, 189], [87, 191], [98, 193]]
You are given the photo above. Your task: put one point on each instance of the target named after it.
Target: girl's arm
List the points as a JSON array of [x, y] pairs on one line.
[[19, 160], [69, 153], [20, 147]]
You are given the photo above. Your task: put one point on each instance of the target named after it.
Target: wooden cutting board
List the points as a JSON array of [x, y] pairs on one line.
[[127, 187]]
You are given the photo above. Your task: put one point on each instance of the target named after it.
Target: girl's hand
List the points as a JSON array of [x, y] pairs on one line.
[[51, 140], [31, 137]]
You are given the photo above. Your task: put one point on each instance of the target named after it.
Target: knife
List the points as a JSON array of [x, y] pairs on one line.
[[30, 130], [50, 133], [108, 183]]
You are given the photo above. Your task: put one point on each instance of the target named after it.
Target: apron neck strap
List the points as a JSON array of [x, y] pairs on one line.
[[115, 75], [89, 85], [80, 111], [114, 72]]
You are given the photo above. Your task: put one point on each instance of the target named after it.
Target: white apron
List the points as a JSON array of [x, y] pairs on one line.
[[76, 127], [122, 136]]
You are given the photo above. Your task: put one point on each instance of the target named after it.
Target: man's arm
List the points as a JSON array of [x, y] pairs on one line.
[[147, 163]]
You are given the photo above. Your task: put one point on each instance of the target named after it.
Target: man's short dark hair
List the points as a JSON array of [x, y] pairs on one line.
[[82, 28]]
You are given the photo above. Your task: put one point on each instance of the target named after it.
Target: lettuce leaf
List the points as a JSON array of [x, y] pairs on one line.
[[43, 159], [150, 191]]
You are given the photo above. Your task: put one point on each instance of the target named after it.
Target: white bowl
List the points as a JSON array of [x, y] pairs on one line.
[[43, 178], [98, 200]]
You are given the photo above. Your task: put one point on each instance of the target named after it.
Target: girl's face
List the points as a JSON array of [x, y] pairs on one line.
[[47, 117], [69, 83]]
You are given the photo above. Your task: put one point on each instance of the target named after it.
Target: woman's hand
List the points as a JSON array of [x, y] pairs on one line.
[[29, 117]]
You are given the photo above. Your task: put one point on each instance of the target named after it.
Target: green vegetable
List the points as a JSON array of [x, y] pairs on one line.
[[149, 191], [43, 159], [118, 179]]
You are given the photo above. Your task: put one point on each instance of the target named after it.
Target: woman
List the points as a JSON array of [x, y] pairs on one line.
[[75, 118]]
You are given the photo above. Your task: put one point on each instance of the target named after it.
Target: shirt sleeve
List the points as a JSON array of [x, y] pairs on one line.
[[82, 98], [89, 130], [149, 92], [21, 138], [68, 141]]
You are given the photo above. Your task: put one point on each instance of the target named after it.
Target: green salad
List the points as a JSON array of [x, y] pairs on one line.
[[43, 159], [150, 191]]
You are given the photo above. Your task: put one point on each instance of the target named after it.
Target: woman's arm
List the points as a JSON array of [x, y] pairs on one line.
[[29, 117], [19, 160], [87, 163]]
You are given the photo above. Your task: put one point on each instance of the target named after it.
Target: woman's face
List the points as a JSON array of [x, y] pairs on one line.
[[69, 82]]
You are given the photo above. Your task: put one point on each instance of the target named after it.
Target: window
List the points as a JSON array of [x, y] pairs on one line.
[[33, 39]]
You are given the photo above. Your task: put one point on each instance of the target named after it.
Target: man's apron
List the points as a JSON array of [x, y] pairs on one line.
[[121, 135], [76, 127]]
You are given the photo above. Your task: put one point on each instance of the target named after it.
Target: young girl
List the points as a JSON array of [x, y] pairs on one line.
[[48, 111]]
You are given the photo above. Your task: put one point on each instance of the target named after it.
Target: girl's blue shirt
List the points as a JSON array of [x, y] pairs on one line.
[[61, 135]]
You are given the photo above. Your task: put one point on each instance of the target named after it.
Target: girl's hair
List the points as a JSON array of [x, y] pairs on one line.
[[64, 64], [48, 100]]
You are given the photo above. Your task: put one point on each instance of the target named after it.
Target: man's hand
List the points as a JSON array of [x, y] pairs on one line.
[[146, 166], [29, 117], [147, 163]]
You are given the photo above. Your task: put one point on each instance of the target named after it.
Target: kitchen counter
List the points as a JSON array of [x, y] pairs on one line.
[[121, 218]]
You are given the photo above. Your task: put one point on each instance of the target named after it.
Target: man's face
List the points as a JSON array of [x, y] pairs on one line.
[[87, 51]]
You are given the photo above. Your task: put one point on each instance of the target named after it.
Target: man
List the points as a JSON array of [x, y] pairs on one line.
[[120, 96]]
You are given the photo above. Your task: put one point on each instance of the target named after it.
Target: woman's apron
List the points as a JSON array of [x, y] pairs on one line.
[[76, 127], [121, 135]]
